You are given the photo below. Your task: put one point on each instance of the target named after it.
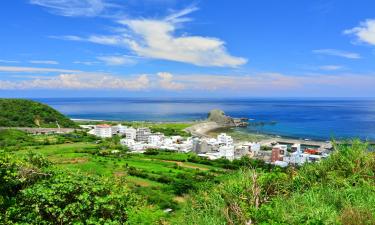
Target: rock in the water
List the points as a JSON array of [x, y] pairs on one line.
[[220, 118]]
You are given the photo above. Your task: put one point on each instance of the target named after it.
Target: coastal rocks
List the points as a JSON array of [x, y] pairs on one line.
[[216, 119], [220, 118]]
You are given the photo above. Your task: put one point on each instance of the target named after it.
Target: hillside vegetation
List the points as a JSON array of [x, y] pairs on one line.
[[338, 190], [79, 179], [28, 113]]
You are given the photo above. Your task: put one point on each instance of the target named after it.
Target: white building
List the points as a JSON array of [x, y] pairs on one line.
[[130, 133], [227, 152], [142, 134], [155, 139], [281, 147], [225, 139], [296, 148], [103, 131], [118, 129], [127, 142], [250, 149]]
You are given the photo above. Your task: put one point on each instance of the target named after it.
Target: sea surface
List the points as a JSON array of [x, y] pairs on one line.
[[299, 118]]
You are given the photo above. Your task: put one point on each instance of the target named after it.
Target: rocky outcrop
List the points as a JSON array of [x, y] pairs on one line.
[[220, 118], [216, 119]]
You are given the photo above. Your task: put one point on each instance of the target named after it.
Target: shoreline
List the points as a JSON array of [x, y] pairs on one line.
[[203, 128], [137, 121]]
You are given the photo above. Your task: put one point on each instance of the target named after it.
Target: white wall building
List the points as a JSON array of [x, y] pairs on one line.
[[142, 134], [227, 151], [225, 139], [127, 142], [118, 129], [103, 131], [130, 133], [155, 139]]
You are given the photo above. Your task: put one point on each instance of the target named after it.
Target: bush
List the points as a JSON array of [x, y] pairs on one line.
[[151, 152], [33, 192], [338, 190]]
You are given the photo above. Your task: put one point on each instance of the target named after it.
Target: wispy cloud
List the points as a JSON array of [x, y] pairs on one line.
[[49, 62], [67, 37], [178, 17], [339, 53], [8, 61], [275, 84], [73, 8], [34, 69], [156, 38], [87, 63], [166, 82], [365, 32], [267, 84], [117, 60], [79, 81], [331, 67]]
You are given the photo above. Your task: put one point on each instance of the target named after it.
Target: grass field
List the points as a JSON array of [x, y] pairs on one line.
[[164, 179]]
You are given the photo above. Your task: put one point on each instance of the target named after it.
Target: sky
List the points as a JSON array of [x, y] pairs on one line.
[[185, 48]]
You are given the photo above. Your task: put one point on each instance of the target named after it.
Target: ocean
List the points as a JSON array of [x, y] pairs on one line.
[[319, 119]]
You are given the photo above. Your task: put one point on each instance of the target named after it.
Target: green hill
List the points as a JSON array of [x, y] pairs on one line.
[[28, 113]]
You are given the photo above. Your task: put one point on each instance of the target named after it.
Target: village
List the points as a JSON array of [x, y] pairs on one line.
[[278, 151]]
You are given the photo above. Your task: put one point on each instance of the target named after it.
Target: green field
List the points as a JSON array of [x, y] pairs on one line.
[[77, 178], [159, 174]]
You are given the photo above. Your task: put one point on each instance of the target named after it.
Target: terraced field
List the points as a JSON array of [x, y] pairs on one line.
[[164, 178]]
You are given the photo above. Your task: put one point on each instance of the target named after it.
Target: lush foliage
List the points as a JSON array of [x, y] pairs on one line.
[[11, 139], [27, 113], [171, 129], [339, 190], [34, 192], [79, 179]]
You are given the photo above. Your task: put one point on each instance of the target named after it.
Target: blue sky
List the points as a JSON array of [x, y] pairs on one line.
[[243, 48]]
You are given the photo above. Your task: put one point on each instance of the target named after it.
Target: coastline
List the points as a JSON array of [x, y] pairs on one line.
[[204, 128]]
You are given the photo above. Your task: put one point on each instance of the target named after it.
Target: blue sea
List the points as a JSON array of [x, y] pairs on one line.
[[300, 118]]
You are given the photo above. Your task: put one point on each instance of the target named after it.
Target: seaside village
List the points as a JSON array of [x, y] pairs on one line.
[[139, 140]]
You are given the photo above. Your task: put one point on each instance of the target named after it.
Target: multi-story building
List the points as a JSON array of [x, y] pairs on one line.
[[130, 133], [103, 131], [118, 129], [155, 139], [225, 139], [142, 134], [278, 152]]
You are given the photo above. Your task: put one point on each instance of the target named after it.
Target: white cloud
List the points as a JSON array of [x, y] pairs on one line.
[[49, 62], [331, 67], [34, 70], [79, 81], [156, 39], [117, 60], [166, 82], [339, 53], [259, 84], [105, 40], [276, 84], [87, 63], [72, 8], [8, 61], [365, 32], [177, 17], [67, 37]]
